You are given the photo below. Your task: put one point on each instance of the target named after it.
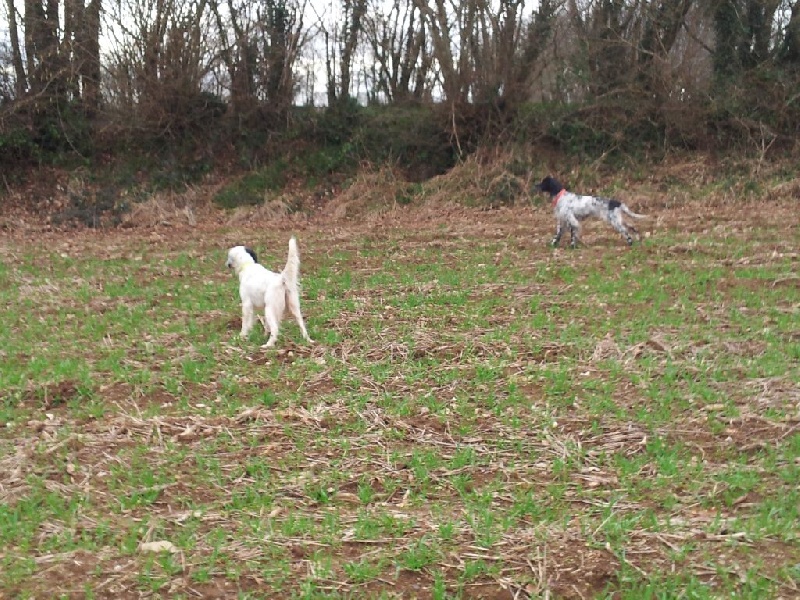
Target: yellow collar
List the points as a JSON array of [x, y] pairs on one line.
[[241, 268]]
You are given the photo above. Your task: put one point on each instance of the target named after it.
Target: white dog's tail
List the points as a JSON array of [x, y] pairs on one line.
[[630, 213], [292, 268]]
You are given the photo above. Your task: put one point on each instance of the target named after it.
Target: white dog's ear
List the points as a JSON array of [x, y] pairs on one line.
[[252, 254]]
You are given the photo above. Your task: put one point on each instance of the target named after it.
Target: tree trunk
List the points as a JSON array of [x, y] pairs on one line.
[[90, 58], [790, 53], [21, 82], [351, 30]]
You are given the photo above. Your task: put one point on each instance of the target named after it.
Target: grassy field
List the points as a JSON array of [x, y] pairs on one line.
[[481, 416]]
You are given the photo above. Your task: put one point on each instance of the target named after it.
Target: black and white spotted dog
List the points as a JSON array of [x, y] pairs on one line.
[[570, 209]]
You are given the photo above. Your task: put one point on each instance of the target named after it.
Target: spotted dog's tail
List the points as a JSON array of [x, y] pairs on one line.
[[630, 213], [292, 268], [616, 204]]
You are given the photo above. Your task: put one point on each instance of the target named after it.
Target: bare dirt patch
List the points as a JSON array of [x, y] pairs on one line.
[[54, 395]]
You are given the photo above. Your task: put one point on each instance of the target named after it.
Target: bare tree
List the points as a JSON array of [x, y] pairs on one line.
[[790, 46], [341, 41], [21, 82], [46, 75], [662, 21], [259, 46], [746, 34], [59, 73], [484, 50], [531, 48], [397, 40], [87, 53], [352, 26], [158, 65], [451, 29]]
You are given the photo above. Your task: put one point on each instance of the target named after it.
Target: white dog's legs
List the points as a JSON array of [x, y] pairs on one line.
[[293, 301], [273, 314], [273, 324], [274, 305], [248, 318]]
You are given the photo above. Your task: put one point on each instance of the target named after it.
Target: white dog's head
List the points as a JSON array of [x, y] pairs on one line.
[[240, 257]]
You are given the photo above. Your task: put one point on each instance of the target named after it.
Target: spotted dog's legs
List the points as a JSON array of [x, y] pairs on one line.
[[616, 223], [559, 233], [569, 221], [574, 230]]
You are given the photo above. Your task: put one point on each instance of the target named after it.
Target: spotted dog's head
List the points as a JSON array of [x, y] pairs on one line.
[[549, 185]]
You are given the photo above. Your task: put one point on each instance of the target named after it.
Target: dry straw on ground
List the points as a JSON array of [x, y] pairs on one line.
[[168, 209], [271, 209], [374, 192], [480, 182]]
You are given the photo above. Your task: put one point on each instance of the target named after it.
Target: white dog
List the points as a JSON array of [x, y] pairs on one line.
[[260, 288]]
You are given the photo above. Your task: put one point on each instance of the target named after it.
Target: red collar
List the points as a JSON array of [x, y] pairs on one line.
[[557, 197]]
